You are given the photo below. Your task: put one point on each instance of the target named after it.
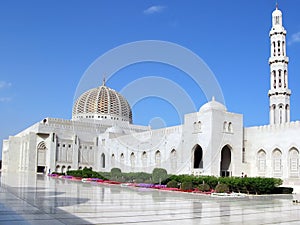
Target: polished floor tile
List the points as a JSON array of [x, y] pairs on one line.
[[38, 199]]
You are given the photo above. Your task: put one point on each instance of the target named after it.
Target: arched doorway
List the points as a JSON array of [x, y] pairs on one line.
[[225, 166], [41, 157], [198, 157]]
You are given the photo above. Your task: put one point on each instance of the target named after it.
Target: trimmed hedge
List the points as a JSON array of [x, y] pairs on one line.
[[222, 188], [85, 173], [252, 185]]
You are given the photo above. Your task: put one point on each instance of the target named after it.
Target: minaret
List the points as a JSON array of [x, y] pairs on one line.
[[279, 93]]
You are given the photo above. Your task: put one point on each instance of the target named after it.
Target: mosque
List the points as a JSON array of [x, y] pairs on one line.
[[211, 141]]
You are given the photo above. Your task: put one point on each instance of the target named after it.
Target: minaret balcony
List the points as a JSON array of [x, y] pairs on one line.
[[279, 91], [278, 59]]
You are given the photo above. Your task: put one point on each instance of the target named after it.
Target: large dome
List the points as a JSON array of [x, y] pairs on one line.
[[102, 103]]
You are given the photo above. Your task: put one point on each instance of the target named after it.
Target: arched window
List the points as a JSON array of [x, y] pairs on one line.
[[261, 161], [277, 20], [113, 160], [285, 78], [279, 78], [122, 159], [144, 159], [63, 169], [274, 48], [277, 163], [274, 78], [283, 50], [132, 160], [157, 159], [229, 127], [225, 126], [278, 48], [280, 113], [293, 163], [173, 160], [103, 160], [287, 110], [199, 126], [274, 113]]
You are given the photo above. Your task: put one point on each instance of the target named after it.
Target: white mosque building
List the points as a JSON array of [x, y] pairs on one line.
[[211, 141]]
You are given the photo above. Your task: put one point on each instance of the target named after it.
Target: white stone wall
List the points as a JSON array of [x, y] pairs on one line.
[[273, 139]]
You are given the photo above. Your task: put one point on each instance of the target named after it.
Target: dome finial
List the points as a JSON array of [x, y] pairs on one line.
[[276, 4], [103, 81]]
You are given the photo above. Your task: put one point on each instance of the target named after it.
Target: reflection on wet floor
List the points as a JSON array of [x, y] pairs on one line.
[[38, 199]]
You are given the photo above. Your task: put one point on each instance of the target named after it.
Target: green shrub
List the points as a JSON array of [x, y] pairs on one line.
[[187, 185], [172, 184], [115, 173], [159, 175], [222, 188], [283, 190], [204, 187]]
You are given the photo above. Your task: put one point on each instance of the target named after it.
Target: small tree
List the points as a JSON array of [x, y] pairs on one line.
[[115, 173], [159, 175]]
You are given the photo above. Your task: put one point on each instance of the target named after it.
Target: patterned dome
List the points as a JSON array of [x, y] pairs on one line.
[[102, 103]]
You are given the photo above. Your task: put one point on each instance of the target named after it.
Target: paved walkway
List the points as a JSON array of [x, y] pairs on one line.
[[37, 199]]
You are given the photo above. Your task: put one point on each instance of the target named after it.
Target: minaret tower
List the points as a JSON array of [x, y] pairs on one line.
[[279, 93]]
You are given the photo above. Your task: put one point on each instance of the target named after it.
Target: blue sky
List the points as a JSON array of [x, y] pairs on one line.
[[46, 46]]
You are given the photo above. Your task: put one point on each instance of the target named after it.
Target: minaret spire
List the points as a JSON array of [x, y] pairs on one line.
[[279, 93]]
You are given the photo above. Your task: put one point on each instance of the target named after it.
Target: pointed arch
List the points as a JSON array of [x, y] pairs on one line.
[[261, 161], [225, 165], [63, 169], [173, 160], [225, 126], [144, 159], [113, 160], [102, 160], [57, 169], [230, 127], [277, 162], [41, 157], [132, 161], [197, 157], [157, 159], [293, 162]]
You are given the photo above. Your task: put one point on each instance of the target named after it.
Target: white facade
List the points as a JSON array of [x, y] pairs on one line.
[[212, 141]]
